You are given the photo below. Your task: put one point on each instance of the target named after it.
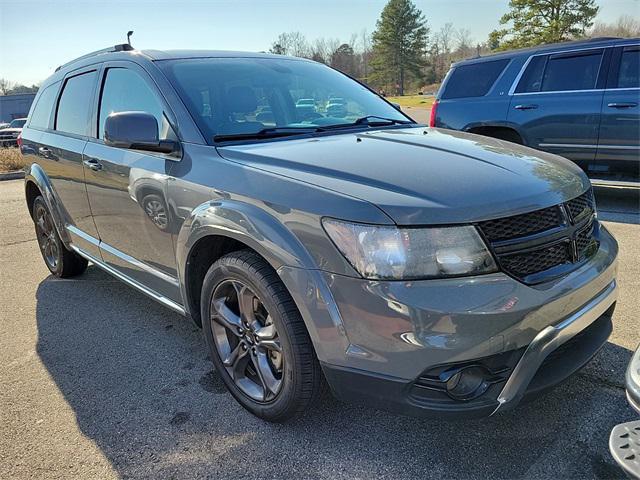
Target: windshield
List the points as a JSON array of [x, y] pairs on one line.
[[18, 123], [242, 96]]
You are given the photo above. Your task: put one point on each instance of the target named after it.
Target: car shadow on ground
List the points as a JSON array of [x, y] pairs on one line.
[[142, 388]]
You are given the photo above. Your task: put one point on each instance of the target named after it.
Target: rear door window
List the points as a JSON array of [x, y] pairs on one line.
[[42, 111], [74, 108], [575, 71], [531, 80], [473, 80], [629, 72]]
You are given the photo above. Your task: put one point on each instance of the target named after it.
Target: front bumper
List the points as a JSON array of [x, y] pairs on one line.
[[555, 354], [377, 341]]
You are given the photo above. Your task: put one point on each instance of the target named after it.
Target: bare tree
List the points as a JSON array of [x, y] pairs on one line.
[[625, 26], [5, 86]]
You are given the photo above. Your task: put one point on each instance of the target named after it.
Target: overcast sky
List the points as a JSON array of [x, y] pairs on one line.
[[37, 36]]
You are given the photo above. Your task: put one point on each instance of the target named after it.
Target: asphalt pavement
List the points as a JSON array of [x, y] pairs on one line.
[[98, 381]]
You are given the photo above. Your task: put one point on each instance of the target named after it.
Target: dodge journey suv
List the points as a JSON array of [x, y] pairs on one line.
[[419, 270], [580, 100]]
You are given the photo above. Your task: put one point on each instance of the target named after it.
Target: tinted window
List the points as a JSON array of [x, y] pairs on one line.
[[74, 109], [571, 72], [473, 80], [17, 123], [531, 80], [42, 111], [629, 73], [126, 91]]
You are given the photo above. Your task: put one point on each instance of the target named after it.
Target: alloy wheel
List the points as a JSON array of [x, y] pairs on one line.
[[247, 340], [157, 213], [46, 235]]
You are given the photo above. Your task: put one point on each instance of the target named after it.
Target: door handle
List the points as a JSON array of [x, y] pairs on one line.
[[531, 106], [93, 164], [622, 105]]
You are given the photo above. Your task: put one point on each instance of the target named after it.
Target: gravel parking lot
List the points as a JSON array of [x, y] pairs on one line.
[[97, 381]]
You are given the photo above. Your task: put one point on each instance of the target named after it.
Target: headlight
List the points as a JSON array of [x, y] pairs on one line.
[[386, 252]]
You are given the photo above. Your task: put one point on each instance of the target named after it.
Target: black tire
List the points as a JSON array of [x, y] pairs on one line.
[[301, 375], [59, 260]]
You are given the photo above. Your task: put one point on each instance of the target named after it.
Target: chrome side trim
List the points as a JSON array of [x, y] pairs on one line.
[[588, 90], [138, 264], [131, 282], [582, 145], [548, 340], [83, 235], [602, 182]]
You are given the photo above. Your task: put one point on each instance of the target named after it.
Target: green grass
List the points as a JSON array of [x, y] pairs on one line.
[[414, 101]]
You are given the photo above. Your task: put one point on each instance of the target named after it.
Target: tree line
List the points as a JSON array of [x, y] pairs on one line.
[[404, 54]]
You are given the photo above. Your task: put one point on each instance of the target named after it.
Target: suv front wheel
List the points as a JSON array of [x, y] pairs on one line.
[[257, 339]]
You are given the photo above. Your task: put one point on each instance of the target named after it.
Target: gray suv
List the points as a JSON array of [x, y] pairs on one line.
[[580, 100], [419, 270]]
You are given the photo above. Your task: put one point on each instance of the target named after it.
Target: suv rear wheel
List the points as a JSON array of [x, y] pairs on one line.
[[59, 260], [257, 339]]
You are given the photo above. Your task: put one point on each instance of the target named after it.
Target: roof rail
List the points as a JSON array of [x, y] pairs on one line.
[[122, 47]]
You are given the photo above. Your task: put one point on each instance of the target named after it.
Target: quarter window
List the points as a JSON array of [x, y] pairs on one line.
[[473, 80], [42, 111], [126, 91], [629, 73], [74, 109]]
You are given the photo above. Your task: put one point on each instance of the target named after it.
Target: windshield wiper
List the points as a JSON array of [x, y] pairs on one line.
[[271, 132], [381, 121]]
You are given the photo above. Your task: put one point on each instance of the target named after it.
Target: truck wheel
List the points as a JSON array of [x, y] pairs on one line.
[[257, 339], [59, 260]]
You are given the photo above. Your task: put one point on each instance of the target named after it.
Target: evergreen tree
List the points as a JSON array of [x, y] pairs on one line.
[[534, 22], [399, 44]]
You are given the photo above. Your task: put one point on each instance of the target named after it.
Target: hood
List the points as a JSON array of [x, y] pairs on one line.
[[421, 176], [10, 130]]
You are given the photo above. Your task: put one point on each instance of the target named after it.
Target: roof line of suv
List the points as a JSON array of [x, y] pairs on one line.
[[560, 46]]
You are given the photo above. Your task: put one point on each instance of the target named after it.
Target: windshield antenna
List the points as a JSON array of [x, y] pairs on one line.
[[129, 33]]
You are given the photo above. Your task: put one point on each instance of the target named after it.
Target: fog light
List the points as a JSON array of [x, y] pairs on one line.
[[468, 383]]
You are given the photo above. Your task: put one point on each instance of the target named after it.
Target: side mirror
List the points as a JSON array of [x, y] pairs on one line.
[[396, 106], [135, 130]]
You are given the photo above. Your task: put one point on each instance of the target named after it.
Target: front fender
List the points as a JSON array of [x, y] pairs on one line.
[[247, 224], [36, 175], [296, 268]]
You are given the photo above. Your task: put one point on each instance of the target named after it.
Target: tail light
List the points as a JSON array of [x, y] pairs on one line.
[[19, 141], [432, 117]]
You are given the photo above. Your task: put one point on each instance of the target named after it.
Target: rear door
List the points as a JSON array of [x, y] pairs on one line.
[[557, 101], [619, 142], [60, 152], [127, 188]]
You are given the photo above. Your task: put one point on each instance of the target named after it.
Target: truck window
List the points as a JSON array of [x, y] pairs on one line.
[[124, 90], [74, 109], [531, 80], [629, 72], [566, 72], [42, 111], [473, 80]]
